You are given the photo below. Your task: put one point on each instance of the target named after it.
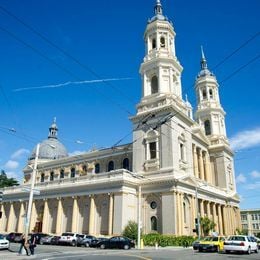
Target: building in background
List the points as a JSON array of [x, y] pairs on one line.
[[173, 159], [250, 220]]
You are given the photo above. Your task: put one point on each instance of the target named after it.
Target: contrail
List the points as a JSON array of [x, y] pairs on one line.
[[70, 83]]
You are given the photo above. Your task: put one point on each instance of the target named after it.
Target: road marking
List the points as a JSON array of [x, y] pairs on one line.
[[140, 257]]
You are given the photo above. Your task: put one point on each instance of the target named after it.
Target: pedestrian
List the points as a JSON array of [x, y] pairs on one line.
[[24, 245], [32, 243]]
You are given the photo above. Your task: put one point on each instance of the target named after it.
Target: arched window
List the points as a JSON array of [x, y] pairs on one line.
[[126, 163], [153, 223], [211, 94], [154, 43], [154, 85], [72, 172], [204, 94], [184, 212], [162, 42], [207, 127], [84, 168], [42, 177], [110, 166], [61, 174], [52, 176], [97, 168]]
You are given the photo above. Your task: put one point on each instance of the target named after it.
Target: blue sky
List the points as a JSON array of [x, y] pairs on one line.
[[107, 37]]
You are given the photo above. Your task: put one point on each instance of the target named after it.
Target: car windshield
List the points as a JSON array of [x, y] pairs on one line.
[[237, 238], [67, 234], [208, 239]]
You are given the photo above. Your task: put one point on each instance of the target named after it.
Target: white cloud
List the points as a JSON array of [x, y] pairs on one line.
[[254, 186], [241, 178], [255, 174], [19, 154], [12, 174], [76, 153], [245, 139], [12, 165]]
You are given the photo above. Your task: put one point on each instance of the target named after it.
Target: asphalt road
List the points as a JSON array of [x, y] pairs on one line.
[[46, 252]]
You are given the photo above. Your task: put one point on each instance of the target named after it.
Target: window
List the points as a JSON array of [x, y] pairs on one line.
[[97, 168], [61, 174], [210, 94], [52, 176], [153, 205], [72, 172], [154, 85], [154, 43], [110, 166], [84, 168], [126, 164], [152, 148], [42, 177], [207, 127], [204, 94], [162, 42], [182, 151], [153, 223], [244, 217]]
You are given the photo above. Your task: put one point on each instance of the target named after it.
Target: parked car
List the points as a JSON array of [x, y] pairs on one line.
[[118, 242], [13, 236], [95, 242], [4, 243], [195, 244], [55, 240], [39, 236], [46, 240], [86, 240], [212, 244], [70, 238], [240, 243]]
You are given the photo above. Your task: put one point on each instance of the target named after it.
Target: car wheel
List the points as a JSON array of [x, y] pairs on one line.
[[227, 251], [257, 250], [200, 250], [218, 249], [249, 250], [102, 246], [126, 247], [86, 244], [73, 243]]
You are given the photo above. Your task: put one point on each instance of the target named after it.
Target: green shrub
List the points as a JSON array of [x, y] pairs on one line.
[[167, 240], [131, 230]]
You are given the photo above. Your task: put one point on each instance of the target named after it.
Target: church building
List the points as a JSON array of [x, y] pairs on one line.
[[177, 167]]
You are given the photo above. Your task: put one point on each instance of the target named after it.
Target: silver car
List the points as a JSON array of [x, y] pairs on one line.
[[4, 243]]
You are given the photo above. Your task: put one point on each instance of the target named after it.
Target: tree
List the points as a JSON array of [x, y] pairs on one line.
[[7, 182], [131, 230], [206, 225]]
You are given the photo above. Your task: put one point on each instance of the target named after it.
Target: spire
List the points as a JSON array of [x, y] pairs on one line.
[[158, 8], [203, 62], [53, 129]]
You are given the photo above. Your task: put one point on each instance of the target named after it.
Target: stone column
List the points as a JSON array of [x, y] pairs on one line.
[[10, 224], [208, 209], [3, 219], [21, 220], [178, 230], [181, 215], [208, 169], [91, 215], [215, 219], [221, 232], [45, 219], [201, 166], [75, 215], [175, 199], [195, 162], [202, 208], [111, 213], [33, 217], [59, 218]]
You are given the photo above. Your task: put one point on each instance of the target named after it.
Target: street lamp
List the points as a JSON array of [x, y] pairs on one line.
[[32, 190], [197, 208]]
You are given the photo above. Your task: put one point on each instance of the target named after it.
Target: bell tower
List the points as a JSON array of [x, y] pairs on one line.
[[210, 114], [160, 70]]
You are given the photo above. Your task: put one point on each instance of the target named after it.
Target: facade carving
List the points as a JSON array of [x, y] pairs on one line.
[[173, 155]]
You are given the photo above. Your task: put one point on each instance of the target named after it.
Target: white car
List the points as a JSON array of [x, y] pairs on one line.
[[70, 238], [239, 243], [4, 243]]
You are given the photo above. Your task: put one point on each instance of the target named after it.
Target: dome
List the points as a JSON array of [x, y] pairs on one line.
[[51, 148]]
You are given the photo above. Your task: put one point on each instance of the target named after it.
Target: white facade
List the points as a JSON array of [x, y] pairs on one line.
[[97, 192]]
